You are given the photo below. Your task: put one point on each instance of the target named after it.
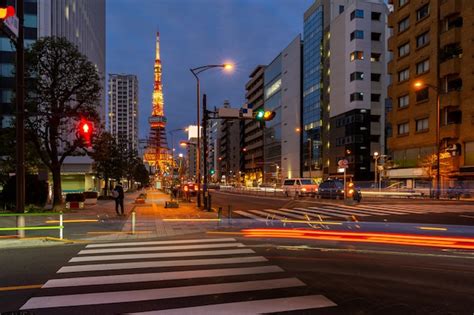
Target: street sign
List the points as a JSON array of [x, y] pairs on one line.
[[12, 24], [228, 112], [343, 163]]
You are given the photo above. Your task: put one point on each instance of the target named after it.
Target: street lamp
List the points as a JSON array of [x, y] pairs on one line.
[[376, 157], [196, 72], [419, 85]]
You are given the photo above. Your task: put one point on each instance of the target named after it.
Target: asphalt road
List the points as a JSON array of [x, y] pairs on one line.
[[357, 278], [423, 213]]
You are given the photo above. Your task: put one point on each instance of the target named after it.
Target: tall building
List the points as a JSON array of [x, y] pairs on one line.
[[252, 131], [8, 57], [282, 94], [432, 45], [82, 22], [344, 86], [123, 109], [229, 149]]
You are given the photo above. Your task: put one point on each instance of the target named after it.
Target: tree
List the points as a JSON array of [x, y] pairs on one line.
[[107, 159], [63, 87], [141, 174]]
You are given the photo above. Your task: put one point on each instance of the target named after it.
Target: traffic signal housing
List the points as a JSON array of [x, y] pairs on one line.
[[264, 115], [85, 130]]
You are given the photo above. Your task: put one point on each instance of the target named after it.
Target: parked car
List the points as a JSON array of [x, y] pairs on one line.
[[300, 187], [191, 188], [334, 189]]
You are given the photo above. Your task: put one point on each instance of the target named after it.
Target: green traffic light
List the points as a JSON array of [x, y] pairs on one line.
[[260, 114]]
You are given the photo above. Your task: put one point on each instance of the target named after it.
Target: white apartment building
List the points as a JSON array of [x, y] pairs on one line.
[[123, 109]]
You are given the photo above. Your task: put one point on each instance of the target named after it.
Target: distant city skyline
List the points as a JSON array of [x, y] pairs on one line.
[[202, 32]]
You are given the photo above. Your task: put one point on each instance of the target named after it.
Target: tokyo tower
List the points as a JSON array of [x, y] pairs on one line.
[[157, 153]]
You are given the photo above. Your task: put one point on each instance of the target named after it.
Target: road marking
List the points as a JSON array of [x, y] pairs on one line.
[[72, 221], [267, 215], [286, 214], [249, 215], [210, 240], [159, 276], [342, 211], [252, 307], [164, 255], [157, 248], [323, 212], [305, 213], [157, 294], [158, 264], [21, 287], [430, 228], [372, 211]]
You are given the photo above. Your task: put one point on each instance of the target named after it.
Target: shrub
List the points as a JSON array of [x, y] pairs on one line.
[[78, 197], [36, 191], [91, 194]]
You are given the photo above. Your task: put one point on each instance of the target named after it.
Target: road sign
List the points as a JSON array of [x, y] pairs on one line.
[[343, 163]]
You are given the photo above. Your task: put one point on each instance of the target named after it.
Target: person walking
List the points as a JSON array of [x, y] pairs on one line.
[[119, 196]]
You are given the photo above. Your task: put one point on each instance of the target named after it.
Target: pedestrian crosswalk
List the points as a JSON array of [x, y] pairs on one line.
[[215, 276], [343, 211]]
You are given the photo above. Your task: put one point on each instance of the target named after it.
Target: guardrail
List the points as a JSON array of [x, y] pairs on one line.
[[21, 228]]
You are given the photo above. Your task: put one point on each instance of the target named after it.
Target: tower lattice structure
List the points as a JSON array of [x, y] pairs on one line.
[[158, 153]]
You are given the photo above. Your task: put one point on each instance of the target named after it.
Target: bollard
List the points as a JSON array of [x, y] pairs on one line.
[[219, 215], [61, 227], [20, 222], [229, 214], [209, 203], [133, 222]]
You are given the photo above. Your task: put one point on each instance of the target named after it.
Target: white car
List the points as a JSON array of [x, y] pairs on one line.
[[300, 187]]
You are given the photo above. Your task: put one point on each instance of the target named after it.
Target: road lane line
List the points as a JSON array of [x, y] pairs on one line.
[[163, 255], [305, 213], [322, 212], [374, 211], [191, 241], [21, 287], [288, 214], [159, 276], [267, 215], [160, 264], [157, 294], [251, 307], [157, 248], [249, 215]]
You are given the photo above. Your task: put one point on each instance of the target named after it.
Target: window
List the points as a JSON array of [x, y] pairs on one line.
[[375, 97], [357, 35], [374, 57], [454, 85], [403, 129], [423, 66], [357, 14], [403, 24], [404, 50], [375, 36], [452, 22], [6, 95], [341, 9], [375, 16], [6, 70], [403, 101], [403, 75], [357, 76], [357, 55], [375, 77], [422, 95], [422, 124], [357, 96], [423, 12], [423, 39]]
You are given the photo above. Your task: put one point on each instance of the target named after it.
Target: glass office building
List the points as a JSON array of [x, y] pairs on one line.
[[312, 89]]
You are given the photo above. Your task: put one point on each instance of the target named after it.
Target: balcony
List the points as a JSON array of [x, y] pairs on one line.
[[449, 7], [450, 131], [450, 36], [449, 67], [452, 98], [392, 20], [255, 145]]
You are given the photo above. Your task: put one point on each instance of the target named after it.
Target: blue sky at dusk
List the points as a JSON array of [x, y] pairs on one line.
[[195, 33]]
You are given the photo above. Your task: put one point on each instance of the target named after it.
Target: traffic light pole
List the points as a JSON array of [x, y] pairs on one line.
[[20, 112]]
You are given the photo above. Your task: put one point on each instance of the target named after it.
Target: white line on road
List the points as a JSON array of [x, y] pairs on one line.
[[211, 240], [252, 307], [164, 255], [157, 294], [160, 264], [157, 248], [267, 215], [322, 212], [158, 276], [249, 215]]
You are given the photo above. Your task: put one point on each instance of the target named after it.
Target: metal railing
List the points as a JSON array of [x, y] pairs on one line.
[[21, 227]]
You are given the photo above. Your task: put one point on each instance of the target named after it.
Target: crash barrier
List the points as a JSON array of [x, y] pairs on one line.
[[21, 226]]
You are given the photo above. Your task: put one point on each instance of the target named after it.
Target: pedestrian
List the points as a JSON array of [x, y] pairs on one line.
[[118, 195]]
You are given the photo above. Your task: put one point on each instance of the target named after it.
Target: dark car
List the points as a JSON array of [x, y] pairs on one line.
[[334, 189]]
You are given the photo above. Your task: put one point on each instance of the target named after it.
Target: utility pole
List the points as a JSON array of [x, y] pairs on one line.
[[204, 150]]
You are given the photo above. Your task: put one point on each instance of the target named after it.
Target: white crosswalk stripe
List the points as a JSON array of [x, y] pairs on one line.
[[89, 284]]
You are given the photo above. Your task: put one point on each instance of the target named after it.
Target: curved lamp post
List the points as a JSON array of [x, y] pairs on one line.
[[196, 72]]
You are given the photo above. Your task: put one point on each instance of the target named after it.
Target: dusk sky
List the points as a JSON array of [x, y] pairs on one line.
[[195, 33]]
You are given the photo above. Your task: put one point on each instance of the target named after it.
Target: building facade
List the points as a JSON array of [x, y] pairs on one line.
[[123, 109], [431, 46], [252, 131], [229, 149], [282, 94]]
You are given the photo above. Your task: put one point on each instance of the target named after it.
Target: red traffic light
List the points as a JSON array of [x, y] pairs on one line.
[[85, 130], [7, 12]]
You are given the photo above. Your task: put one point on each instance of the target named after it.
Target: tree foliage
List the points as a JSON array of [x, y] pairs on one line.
[[107, 158], [63, 87]]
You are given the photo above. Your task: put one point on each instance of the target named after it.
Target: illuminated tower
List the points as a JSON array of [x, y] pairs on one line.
[[157, 153]]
